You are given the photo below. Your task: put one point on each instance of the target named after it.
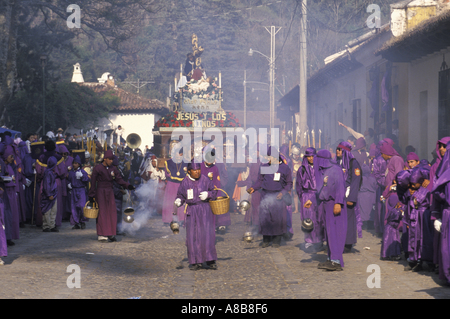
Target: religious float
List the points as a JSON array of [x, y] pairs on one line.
[[196, 106]]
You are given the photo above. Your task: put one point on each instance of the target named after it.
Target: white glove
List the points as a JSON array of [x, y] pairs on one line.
[[437, 225], [69, 186], [28, 182], [177, 202], [347, 192], [23, 186], [203, 195], [79, 174]]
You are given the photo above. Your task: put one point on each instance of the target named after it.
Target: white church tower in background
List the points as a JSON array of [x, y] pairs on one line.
[[77, 75]]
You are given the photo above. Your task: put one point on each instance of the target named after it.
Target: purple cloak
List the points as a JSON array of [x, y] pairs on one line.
[[77, 195], [175, 173], [200, 220], [390, 244]]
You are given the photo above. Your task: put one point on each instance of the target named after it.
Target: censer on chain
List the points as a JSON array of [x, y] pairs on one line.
[[174, 225], [129, 212]]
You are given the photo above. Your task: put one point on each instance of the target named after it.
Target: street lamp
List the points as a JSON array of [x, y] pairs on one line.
[[43, 63], [273, 31]]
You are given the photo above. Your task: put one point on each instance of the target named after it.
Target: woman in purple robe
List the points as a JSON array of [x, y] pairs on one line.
[[49, 197], [195, 191], [77, 182], [175, 170], [306, 190], [272, 212], [102, 191], [331, 194], [390, 244], [10, 197]]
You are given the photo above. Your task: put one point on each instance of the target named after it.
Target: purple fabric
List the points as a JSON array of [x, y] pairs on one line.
[[272, 211], [200, 221], [412, 156], [390, 244], [102, 190], [77, 195], [367, 194], [170, 194], [394, 166], [49, 187], [252, 215], [387, 149]]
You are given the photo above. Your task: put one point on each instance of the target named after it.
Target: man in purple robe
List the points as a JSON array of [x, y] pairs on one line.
[[102, 191], [441, 214], [12, 218], [367, 197], [49, 198], [3, 243], [394, 163], [28, 172], [353, 180], [68, 162], [252, 215], [195, 191], [272, 212], [77, 182], [210, 170], [306, 190], [331, 194], [359, 152], [175, 170]]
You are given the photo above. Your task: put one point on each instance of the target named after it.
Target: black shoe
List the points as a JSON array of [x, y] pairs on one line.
[[54, 230], [120, 233], [9, 242], [324, 265], [348, 249], [288, 236], [83, 226], [77, 226], [265, 245], [195, 267], [417, 267], [112, 239], [332, 266], [46, 230], [212, 264]]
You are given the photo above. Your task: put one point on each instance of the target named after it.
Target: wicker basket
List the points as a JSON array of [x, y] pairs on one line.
[[221, 205], [91, 212]]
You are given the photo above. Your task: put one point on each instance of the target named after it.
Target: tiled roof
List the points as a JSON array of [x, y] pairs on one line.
[[130, 102]]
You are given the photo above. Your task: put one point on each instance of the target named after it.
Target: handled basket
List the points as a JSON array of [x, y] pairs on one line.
[[90, 212], [221, 205]]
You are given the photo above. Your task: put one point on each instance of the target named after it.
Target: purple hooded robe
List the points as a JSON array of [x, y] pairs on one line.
[[10, 197], [175, 173], [200, 221], [331, 191], [307, 190], [49, 186], [77, 195]]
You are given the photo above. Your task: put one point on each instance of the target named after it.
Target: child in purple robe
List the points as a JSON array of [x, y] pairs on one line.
[[49, 197], [77, 182], [390, 244], [195, 191]]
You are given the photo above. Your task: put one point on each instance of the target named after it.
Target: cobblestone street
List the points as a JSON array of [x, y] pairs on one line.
[[152, 264]]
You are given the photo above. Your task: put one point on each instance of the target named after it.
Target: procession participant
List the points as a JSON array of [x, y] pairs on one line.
[[307, 190], [77, 182], [367, 197], [49, 198], [175, 171], [353, 180], [119, 192], [10, 198], [412, 159], [102, 191], [331, 194], [61, 181], [441, 214], [252, 215], [28, 164], [157, 178], [67, 167], [21, 150], [379, 166], [359, 152], [272, 211], [284, 155], [3, 243], [420, 238], [210, 170], [296, 164], [390, 244], [195, 191], [394, 163]]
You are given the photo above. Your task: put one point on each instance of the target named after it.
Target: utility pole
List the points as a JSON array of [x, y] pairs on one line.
[[303, 77], [139, 84]]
